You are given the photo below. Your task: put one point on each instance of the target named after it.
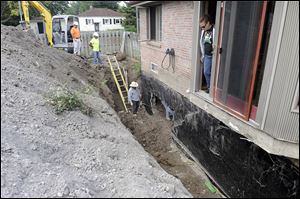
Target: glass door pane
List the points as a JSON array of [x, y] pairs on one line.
[[239, 40]]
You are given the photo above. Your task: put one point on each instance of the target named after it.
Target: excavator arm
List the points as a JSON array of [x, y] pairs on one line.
[[44, 12]]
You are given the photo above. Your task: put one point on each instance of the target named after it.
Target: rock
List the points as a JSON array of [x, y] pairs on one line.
[[66, 191], [120, 56], [33, 147], [59, 194]]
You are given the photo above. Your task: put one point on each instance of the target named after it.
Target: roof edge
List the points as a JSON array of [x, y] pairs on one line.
[[140, 3]]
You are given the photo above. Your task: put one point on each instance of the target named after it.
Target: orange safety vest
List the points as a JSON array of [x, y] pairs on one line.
[[75, 33]]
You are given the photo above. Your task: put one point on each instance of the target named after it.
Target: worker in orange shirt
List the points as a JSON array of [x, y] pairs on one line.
[[75, 32]]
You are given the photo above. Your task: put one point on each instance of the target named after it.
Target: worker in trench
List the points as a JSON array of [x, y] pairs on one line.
[[134, 97]]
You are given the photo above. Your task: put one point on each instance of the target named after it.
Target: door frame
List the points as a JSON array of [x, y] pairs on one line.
[[254, 65]]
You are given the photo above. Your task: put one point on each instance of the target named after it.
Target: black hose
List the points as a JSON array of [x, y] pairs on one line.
[[163, 62]]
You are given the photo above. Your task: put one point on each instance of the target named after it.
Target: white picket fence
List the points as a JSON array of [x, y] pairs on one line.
[[110, 42]]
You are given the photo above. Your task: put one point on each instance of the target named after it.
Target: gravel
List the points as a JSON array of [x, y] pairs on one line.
[[67, 155]]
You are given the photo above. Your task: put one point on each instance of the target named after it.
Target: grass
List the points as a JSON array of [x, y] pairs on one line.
[[210, 187], [137, 67], [68, 101]]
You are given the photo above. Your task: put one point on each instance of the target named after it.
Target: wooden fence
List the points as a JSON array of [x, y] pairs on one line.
[[110, 42]]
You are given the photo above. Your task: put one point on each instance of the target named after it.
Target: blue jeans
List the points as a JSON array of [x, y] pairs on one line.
[[97, 58], [207, 69]]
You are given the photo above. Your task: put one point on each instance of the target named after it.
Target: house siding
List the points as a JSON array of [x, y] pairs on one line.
[[281, 123]]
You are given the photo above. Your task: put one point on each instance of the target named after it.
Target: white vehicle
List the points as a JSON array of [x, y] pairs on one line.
[[61, 26]]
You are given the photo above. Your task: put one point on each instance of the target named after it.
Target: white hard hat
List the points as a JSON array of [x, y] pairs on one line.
[[75, 23], [96, 34], [134, 84]]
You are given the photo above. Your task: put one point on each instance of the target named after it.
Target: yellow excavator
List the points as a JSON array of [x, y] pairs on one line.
[[57, 28], [23, 9]]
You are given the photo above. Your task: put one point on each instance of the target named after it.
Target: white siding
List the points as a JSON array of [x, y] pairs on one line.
[[102, 27], [281, 122]]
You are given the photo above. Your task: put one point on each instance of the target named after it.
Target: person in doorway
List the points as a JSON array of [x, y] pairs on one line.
[[134, 97], [75, 33], [207, 46], [95, 44]]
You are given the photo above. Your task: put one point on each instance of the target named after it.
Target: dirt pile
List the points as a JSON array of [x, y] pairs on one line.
[[69, 155]]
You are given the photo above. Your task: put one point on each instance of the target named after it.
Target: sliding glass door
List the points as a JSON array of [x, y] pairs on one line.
[[241, 26]]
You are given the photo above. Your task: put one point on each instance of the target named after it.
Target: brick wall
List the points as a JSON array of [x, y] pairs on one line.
[[177, 18]]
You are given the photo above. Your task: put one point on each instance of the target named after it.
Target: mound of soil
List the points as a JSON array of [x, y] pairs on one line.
[[69, 155]]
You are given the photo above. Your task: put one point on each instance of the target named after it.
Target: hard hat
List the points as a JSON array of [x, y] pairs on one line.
[[134, 84], [75, 23], [96, 34]]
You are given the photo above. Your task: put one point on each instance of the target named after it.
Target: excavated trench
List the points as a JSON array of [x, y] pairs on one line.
[[153, 132]]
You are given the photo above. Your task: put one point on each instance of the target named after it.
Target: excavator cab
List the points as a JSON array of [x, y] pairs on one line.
[[61, 26]]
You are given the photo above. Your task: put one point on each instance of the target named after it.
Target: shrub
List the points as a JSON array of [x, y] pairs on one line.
[[68, 101]]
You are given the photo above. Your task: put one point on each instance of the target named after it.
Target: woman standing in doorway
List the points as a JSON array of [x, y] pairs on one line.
[[207, 46]]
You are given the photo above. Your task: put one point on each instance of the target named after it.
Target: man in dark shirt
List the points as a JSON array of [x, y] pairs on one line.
[[206, 44]]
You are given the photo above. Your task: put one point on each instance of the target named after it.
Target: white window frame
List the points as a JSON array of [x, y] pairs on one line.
[[89, 21], [295, 106], [154, 67], [105, 21], [158, 23]]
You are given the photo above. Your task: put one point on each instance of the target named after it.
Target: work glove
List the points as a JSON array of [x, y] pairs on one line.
[[131, 103]]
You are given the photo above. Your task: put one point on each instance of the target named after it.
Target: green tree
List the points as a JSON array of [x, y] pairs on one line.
[[129, 23], [106, 4], [77, 7], [55, 8], [10, 10], [9, 13]]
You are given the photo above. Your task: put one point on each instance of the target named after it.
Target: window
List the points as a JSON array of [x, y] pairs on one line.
[[238, 53], [89, 21], [40, 27], [154, 67], [110, 21], [155, 23], [96, 27], [105, 21], [117, 21], [295, 104], [59, 36]]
